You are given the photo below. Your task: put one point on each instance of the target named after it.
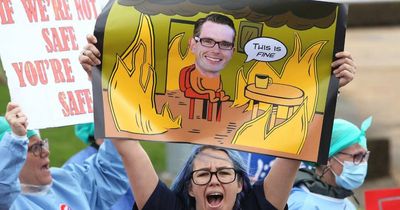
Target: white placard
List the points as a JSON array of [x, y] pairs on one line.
[[40, 44]]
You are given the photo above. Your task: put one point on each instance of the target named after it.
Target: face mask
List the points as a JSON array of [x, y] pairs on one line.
[[30, 189], [352, 175]]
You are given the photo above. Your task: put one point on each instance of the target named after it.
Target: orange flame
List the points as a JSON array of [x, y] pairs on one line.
[[177, 61], [131, 89]]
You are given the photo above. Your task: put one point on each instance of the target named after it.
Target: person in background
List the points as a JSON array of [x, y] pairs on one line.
[[85, 132], [329, 186], [28, 182]]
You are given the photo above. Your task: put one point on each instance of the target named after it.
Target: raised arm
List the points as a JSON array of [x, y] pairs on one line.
[[140, 170], [142, 176], [13, 149], [279, 181]]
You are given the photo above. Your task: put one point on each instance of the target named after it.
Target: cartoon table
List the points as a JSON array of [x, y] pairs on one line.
[[276, 95]]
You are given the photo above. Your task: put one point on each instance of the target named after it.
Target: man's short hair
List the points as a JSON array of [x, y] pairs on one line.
[[215, 18]]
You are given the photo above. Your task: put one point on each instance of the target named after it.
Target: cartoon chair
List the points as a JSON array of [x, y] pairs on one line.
[[185, 87]]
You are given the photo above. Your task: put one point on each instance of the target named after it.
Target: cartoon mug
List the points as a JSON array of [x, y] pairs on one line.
[[262, 81]]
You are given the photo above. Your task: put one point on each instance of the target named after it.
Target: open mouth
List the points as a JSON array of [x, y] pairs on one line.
[[45, 167], [215, 199]]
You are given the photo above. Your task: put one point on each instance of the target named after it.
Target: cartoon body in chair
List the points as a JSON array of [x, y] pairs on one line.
[[208, 85], [212, 45]]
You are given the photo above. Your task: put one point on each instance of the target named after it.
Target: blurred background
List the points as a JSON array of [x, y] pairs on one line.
[[373, 38]]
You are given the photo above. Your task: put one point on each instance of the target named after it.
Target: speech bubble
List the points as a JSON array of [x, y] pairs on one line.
[[265, 49]]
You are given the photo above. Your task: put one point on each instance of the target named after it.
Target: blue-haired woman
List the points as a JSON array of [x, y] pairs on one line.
[[182, 184], [212, 178]]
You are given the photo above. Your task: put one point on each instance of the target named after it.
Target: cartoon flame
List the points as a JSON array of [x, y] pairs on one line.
[[178, 59], [307, 78], [131, 89], [279, 138]]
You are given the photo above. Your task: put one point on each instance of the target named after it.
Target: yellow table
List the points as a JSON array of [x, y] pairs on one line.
[[277, 95]]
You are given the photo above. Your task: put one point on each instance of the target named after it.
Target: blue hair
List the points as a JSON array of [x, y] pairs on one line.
[[182, 182]]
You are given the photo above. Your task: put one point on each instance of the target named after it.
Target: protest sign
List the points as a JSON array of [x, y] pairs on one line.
[[275, 93], [41, 41]]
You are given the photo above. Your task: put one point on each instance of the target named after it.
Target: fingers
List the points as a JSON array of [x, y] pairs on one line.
[[92, 51], [16, 119], [351, 65], [11, 106], [90, 55], [344, 68], [91, 39], [343, 54], [344, 74], [88, 58], [344, 77]]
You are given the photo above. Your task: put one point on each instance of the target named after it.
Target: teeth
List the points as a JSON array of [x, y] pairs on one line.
[[46, 166], [214, 59], [214, 199]]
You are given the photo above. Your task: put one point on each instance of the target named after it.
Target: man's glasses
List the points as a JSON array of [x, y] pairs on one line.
[[37, 148], [210, 43], [224, 175], [357, 158]]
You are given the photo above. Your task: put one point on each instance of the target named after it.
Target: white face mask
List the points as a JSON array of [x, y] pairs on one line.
[[352, 175], [30, 189]]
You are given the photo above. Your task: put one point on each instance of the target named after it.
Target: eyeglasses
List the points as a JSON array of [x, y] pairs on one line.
[[224, 175], [37, 148], [210, 43], [357, 158]]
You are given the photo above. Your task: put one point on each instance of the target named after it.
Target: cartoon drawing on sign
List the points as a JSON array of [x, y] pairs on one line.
[[131, 87], [289, 103], [178, 83]]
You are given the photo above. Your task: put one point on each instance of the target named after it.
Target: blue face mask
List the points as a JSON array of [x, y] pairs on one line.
[[352, 175]]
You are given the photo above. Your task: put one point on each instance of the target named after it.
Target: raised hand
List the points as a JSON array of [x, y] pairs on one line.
[[344, 68], [90, 55], [17, 119]]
